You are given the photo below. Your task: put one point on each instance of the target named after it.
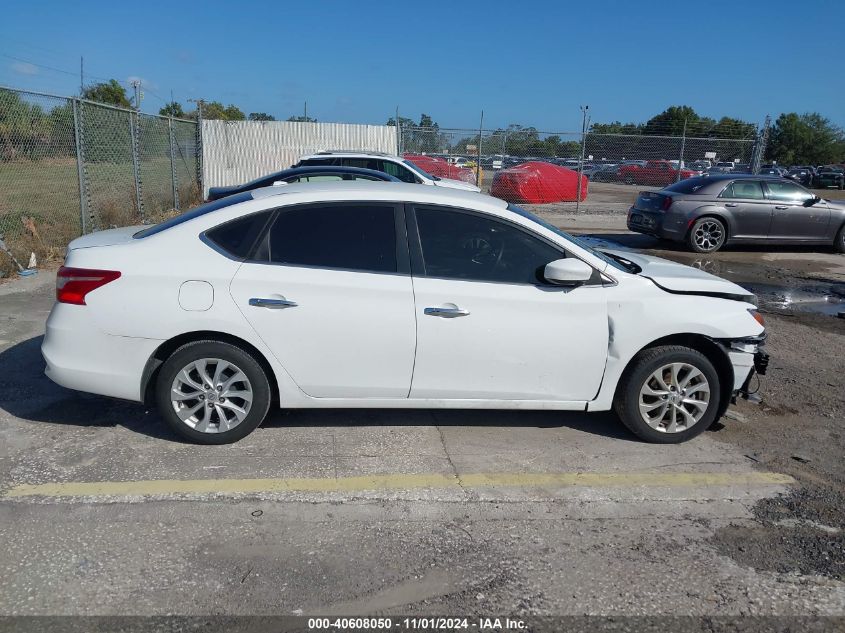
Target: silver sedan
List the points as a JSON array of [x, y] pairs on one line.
[[708, 212]]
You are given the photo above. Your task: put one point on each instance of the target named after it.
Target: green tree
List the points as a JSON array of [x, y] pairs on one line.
[[805, 139], [110, 92], [302, 119], [234, 113], [216, 110], [671, 121], [174, 109], [261, 116]]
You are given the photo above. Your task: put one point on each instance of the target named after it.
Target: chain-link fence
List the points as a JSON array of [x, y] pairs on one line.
[[616, 158], [70, 166]]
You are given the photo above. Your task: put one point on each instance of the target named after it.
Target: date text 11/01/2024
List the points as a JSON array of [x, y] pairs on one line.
[[417, 624]]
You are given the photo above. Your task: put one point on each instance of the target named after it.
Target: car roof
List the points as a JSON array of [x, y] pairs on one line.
[[387, 191], [335, 169], [351, 154]]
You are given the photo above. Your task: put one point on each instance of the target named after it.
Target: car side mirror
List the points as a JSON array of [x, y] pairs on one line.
[[811, 201], [568, 272]]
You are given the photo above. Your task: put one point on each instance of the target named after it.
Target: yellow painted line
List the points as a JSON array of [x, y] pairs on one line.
[[162, 487]]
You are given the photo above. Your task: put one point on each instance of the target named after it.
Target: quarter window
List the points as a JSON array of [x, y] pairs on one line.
[[788, 192], [744, 189], [238, 236], [355, 237], [458, 245]]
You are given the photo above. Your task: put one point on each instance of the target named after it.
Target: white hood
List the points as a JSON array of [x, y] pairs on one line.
[[684, 279], [456, 184]]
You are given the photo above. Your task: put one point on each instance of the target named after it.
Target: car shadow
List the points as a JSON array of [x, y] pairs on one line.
[[26, 393]]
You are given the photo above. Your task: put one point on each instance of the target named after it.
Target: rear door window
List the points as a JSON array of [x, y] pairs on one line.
[[744, 190], [342, 236]]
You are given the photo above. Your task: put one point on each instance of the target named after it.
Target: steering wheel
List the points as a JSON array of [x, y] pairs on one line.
[[483, 249]]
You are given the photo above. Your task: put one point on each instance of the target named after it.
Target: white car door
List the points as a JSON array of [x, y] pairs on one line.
[[488, 326], [329, 292]]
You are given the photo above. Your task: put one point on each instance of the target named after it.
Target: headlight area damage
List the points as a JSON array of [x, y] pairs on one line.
[[748, 358]]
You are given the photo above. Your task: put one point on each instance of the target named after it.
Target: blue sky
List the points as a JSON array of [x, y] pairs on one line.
[[531, 63]]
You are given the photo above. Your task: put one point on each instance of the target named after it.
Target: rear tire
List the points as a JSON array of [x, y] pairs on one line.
[[707, 235], [668, 394], [211, 392]]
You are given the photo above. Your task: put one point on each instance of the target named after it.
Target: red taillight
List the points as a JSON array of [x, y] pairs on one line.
[[72, 284], [667, 202]]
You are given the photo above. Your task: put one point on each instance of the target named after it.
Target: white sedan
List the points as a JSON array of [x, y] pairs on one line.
[[355, 294]]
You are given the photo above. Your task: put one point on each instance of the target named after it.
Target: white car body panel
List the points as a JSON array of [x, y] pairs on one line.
[[351, 334], [355, 337], [512, 343]]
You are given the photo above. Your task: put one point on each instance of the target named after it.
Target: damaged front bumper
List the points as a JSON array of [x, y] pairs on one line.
[[748, 358]]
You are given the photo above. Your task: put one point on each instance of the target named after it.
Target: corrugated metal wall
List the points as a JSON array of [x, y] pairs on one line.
[[234, 152]]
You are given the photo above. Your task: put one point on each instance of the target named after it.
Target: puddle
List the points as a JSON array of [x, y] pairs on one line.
[[820, 298]]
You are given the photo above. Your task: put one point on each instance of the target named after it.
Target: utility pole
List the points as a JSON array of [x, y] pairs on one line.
[[398, 134], [81, 76], [681, 157], [305, 112], [584, 124], [138, 94], [478, 151]]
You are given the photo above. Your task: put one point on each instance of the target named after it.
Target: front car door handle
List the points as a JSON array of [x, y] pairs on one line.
[[277, 304], [446, 312], [782, 206], [731, 204]]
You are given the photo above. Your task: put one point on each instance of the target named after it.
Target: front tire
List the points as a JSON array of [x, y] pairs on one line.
[[707, 235], [668, 394], [210, 392]]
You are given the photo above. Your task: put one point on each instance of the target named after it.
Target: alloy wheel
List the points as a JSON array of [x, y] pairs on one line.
[[709, 235], [211, 395], [674, 397]]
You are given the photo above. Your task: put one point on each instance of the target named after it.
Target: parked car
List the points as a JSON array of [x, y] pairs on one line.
[[741, 168], [391, 295], [441, 168], [404, 170], [608, 172], [655, 172], [536, 182], [801, 175], [830, 176], [303, 174], [462, 161], [725, 165], [773, 170], [709, 212]]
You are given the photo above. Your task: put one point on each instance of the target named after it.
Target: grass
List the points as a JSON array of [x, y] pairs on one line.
[[47, 191]]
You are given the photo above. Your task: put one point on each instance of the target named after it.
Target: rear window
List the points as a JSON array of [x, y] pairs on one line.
[[194, 213], [689, 185]]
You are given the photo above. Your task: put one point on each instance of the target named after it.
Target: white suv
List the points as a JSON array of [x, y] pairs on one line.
[[396, 166]]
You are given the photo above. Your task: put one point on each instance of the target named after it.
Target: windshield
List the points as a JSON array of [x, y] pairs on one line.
[[418, 170], [616, 263]]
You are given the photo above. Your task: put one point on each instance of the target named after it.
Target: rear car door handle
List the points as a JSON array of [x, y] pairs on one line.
[[277, 304], [783, 206], [448, 313]]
